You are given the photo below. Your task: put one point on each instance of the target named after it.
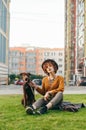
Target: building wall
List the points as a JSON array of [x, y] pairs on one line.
[[85, 28], [80, 35], [33, 59], [47, 53], [4, 40], [85, 38], [70, 40], [17, 60], [75, 39]]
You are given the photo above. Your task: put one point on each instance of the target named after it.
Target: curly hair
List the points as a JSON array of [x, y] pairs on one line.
[[55, 65]]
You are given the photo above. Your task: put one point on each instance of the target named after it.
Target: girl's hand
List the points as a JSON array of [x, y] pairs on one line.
[[33, 85], [47, 96]]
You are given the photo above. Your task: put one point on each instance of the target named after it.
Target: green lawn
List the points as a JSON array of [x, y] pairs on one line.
[[13, 116]]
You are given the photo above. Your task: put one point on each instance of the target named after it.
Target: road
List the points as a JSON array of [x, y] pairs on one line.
[[17, 89]]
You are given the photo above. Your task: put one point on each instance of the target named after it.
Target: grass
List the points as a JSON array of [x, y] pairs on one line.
[[13, 116]]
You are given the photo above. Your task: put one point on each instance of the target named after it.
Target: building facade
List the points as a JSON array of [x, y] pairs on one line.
[[80, 39], [70, 39], [33, 59], [75, 39], [56, 54], [4, 40], [17, 60]]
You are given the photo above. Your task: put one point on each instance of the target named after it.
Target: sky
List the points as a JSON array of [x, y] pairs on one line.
[[37, 23]]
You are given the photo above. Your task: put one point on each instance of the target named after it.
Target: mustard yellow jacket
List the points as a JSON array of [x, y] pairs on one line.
[[54, 87]]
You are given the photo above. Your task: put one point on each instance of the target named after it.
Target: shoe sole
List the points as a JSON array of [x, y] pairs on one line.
[[30, 111], [38, 113]]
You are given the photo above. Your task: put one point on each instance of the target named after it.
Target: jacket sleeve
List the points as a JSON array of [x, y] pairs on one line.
[[60, 87]]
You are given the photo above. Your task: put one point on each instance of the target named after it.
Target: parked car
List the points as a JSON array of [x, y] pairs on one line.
[[82, 81], [82, 84], [37, 81], [19, 82]]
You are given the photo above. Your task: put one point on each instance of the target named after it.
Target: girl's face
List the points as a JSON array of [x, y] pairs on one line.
[[49, 67]]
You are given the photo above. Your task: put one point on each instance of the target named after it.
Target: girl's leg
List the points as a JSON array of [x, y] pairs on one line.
[[39, 103], [55, 100], [36, 105]]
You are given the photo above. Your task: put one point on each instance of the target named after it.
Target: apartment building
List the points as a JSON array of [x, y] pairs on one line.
[[4, 40], [75, 39], [81, 40], [17, 60], [33, 58], [70, 39], [56, 54]]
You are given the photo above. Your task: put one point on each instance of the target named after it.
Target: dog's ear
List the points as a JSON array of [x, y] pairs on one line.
[[23, 73], [20, 74], [28, 74]]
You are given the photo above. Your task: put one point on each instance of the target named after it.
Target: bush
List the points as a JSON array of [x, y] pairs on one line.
[[12, 77], [36, 76]]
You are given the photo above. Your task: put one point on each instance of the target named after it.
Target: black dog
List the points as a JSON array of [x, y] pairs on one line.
[[28, 91]]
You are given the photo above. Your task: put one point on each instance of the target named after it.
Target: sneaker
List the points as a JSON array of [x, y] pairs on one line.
[[42, 110], [30, 110]]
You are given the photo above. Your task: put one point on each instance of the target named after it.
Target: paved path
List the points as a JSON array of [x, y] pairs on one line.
[[75, 90], [10, 89], [17, 89]]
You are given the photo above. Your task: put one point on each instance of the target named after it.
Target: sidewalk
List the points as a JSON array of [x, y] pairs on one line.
[[75, 90], [17, 89], [11, 89]]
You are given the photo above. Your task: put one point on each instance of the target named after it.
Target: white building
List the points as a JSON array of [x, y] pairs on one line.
[[4, 40]]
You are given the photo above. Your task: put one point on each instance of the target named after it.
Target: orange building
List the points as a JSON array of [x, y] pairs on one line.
[[56, 54], [30, 59], [17, 60]]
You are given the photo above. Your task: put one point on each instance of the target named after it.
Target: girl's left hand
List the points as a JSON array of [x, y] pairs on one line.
[[47, 96]]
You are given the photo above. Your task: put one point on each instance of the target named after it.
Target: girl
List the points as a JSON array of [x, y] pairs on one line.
[[52, 89]]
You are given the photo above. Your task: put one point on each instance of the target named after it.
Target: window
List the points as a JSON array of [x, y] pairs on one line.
[[3, 15], [60, 72], [60, 65], [60, 59], [60, 53], [2, 49], [5, 1]]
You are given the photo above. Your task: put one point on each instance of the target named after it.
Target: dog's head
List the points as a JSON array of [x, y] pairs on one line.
[[25, 76]]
